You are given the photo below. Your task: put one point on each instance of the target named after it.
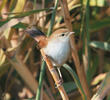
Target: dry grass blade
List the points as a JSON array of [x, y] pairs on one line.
[[24, 72], [103, 89], [49, 91], [55, 76], [10, 24]]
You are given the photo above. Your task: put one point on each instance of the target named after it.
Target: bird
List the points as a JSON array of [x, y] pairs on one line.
[[56, 47]]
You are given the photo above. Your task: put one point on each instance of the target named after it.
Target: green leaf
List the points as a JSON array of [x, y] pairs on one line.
[[22, 14], [76, 79], [3, 22], [27, 13], [92, 70], [20, 25], [100, 45], [98, 24], [69, 86]]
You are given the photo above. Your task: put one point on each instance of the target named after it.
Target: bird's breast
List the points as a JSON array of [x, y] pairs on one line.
[[58, 52]]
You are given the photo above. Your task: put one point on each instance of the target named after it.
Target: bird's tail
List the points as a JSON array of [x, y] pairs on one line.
[[38, 35]]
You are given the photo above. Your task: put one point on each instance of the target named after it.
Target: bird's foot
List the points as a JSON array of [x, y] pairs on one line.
[[59, 83]]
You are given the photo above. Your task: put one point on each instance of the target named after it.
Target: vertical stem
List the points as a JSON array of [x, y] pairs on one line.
[[52, 18], [101, 52], [87, 53], [79, 68], [34, 5], [67, 18], [42, 73]]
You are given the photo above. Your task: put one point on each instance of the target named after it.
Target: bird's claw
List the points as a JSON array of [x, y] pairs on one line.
[[59, 83]]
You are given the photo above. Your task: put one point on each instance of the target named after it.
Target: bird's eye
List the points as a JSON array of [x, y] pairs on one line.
[[63, 35]]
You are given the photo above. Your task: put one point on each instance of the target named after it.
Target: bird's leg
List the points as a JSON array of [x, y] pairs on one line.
[[60, 75], [58, 68]]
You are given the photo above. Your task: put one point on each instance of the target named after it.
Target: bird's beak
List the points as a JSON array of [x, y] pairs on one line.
[[70, 33]]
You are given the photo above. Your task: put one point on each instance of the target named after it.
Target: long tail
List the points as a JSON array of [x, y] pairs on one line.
[[38, 35]]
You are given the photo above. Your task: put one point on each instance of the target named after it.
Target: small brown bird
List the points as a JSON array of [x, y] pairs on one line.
[[56, 47]]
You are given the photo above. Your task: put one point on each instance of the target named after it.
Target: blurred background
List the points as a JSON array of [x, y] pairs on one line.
[[20, 58]]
